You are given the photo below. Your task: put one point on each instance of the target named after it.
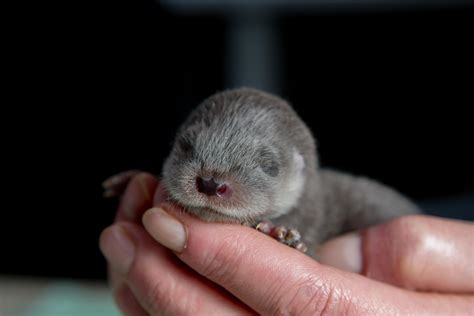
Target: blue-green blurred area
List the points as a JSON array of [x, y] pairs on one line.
[[459, 207], [41, 297]]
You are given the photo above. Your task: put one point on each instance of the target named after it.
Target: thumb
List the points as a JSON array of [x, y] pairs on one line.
[[415, 252]]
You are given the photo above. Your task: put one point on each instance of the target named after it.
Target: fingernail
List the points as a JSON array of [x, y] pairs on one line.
[[343, 252], [118, 248], [165, 229]]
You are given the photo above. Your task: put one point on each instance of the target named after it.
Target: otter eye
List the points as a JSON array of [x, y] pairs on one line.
[[268, 163]]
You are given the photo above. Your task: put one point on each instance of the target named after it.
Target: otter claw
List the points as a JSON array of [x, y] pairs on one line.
[[290, 237], [265, 227], [301, 247], [279, 233]]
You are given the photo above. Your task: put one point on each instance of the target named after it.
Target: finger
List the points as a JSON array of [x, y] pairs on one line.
[[123, 296], [116, 184], [137, 198], [160, 282], [415, 252], [127, 302], [275, 279]]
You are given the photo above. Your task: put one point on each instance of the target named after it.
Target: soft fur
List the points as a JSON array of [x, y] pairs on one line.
[[257, 143]]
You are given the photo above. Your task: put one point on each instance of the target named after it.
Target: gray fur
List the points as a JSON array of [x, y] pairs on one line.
[[256, 142]]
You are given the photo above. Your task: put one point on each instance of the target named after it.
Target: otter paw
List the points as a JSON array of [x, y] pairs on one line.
[[116, 184], [290, 237]]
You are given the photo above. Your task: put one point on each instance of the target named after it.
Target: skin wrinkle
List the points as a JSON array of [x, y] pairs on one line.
[[273, 301], [337, 298], [354, 306], [286, 300], [318, 294], [346, 302], [278, 294], [329, 302], [161, 295], [351, 303]]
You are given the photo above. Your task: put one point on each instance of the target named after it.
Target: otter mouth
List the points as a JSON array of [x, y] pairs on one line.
[[207, 213], [222, 217]]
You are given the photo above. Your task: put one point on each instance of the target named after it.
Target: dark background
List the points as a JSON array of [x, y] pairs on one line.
[[101, 87]]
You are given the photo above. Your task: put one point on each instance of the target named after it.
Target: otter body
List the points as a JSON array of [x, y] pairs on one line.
[[245, 156]]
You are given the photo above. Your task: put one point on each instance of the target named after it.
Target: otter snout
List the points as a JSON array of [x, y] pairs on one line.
[[211, 187]]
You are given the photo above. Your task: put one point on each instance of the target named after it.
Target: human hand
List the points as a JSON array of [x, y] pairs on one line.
[[231, 269]]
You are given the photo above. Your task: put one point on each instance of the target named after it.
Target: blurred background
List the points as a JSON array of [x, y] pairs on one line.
[[385, 86]]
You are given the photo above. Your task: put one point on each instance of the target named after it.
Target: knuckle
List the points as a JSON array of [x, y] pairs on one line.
[[308, 297], [161, 299], [158, 298]]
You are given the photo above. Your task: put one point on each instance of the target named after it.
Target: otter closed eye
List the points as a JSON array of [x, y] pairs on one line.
[[269, 164]]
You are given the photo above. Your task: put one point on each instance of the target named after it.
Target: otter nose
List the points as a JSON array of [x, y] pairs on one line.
[[210, 187]]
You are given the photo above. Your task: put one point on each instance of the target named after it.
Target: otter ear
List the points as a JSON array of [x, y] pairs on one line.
[[298, 161]]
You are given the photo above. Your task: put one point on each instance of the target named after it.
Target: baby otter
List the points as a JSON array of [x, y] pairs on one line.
[[244, 156]]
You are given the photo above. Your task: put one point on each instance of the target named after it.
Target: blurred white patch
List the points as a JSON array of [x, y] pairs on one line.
[[439, 246], [291, 187]]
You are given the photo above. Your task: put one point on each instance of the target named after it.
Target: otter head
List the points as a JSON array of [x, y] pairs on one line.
[[228, 163]]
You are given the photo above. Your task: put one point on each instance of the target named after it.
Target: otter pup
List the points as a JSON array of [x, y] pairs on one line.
[[245, 156]]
